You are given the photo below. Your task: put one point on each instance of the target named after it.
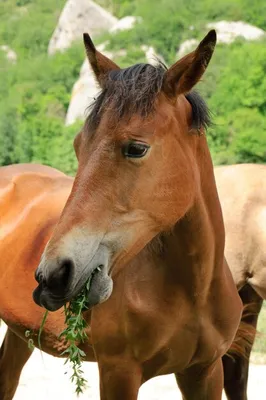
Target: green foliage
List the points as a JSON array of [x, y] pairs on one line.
[[235, 83], [238, 97], [166, 23], [74, 334], [133, 55], [260, 342], [62, 153], [33, 103], [35, 92], [28, 334], [27, 25]]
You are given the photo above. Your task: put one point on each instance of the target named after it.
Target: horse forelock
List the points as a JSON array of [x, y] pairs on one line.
[[133, 90]]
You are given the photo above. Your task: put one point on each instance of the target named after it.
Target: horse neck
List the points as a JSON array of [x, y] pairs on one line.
[[194, 251]]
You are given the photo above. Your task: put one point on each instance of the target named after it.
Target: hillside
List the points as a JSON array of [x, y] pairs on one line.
[[35, 89]]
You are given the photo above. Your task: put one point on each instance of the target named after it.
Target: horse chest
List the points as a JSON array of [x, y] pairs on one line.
[[162, 333]]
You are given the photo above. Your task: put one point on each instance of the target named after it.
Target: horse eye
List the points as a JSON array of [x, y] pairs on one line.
[[135, 150]]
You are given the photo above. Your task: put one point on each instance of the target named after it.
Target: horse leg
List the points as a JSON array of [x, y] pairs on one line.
[[119, 379], [202, 383], [14, 353], [236, 367]]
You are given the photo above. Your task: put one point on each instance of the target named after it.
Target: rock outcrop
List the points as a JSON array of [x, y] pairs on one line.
[[79, 16], [186, 47], [83, 92], [85, 89], [11, 55], [125, 24], [227, 32]]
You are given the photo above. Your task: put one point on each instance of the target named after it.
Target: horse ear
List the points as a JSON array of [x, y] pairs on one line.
[[100, 64], [185, 73]]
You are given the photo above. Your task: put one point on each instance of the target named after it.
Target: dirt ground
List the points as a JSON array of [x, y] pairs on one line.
[[47, 378]]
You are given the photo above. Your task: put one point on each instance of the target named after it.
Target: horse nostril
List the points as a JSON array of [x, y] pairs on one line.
[[38, 276], [60, 277]]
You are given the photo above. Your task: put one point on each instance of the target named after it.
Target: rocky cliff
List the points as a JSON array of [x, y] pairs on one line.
[[79, 16]]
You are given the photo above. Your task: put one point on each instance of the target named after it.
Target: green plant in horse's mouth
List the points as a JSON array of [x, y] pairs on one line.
[[29, 333], [73, 333]]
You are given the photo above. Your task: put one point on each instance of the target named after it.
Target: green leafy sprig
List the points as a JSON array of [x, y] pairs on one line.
[[73, 333]]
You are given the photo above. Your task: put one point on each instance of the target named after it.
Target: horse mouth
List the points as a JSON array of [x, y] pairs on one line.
[[82, 294], [96, 289]]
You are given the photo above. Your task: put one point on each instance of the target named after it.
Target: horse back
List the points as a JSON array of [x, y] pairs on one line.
[[242, 192], [31, 200]]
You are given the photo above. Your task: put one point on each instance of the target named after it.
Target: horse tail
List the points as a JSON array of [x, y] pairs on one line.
[[245, 335]]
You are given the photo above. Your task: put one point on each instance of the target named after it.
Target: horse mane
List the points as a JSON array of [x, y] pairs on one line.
[[201, 115], [134, 90]]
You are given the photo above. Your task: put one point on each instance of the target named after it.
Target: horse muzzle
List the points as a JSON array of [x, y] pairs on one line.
[[61, 279]]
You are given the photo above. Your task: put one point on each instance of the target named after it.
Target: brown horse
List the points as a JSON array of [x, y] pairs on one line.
[[144, 208], [242, 191], [143, 223]]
